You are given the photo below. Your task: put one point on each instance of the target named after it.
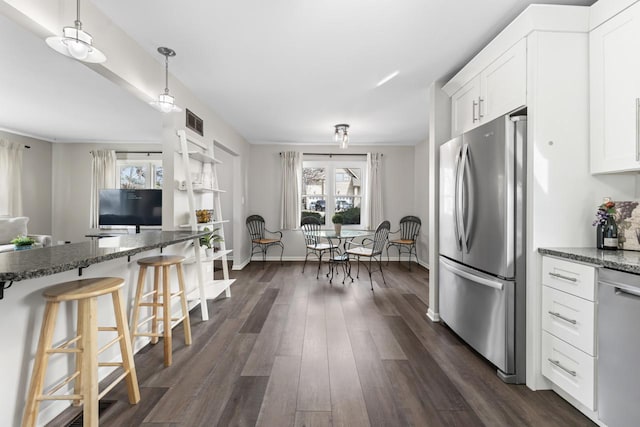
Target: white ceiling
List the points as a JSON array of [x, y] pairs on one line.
[[277, 71], [55, 98]]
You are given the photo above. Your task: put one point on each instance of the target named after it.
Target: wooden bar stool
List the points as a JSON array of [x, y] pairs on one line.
[[84, 346], [160, 263]]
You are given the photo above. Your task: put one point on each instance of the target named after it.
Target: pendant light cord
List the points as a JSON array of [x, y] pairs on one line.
[[78, 23], [166, 74]]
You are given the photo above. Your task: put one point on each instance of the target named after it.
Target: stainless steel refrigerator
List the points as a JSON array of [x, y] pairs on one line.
[[482, 232]]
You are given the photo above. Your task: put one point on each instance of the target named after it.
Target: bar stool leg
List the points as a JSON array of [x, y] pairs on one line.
[[142, 274], [126, 348], [40, 364], [156, 294], [166, 316], [87, 308], [185, 309], [77, 384]]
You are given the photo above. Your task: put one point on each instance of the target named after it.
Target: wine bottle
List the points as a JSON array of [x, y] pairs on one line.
[[610, 232]]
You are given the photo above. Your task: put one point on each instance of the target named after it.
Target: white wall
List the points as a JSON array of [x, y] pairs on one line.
[[421, 197], [36, 182], [265, 186]]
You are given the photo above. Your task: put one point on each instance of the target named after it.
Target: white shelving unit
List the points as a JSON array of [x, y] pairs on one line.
[[207, 288]]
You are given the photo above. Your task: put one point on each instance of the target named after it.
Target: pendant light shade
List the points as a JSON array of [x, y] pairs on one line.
[[165, 102], [76, 43]]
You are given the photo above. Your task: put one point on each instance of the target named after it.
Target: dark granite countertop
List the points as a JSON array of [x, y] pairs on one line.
[[628, 261], [28, 264]]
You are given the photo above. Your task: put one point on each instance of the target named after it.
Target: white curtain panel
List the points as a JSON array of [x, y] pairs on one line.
[[10, 178], [291, 176], [374, 189], [103, 175]]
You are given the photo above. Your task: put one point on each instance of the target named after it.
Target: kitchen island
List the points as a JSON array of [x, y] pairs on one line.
[[24, 274]]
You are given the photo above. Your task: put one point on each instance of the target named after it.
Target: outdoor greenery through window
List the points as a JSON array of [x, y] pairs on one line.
[[136, 174], [332, 187]]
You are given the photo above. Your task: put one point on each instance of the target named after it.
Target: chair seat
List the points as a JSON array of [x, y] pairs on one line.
[[320, 246], [361, 251], [161, 260], [83, 288], [265, 241], [402, 242]]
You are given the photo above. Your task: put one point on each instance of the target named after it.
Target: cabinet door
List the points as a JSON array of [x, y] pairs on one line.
[[464, 107], [503, 84], [615, 93]]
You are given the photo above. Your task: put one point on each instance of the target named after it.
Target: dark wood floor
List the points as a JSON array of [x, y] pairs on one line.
[[289, 350]]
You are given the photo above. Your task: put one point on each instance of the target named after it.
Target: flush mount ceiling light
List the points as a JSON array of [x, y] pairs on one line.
[[342, 135], [165, 102], [76, 43]]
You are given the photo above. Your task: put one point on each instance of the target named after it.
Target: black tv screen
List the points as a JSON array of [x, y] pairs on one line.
[[130, 207]]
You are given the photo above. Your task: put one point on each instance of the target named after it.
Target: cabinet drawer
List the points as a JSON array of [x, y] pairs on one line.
[[569, 318], [569, 368], [576, 279]]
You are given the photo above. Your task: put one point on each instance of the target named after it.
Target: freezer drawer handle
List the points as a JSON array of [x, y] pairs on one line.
[[637, 129], [560, 276], [480, 280], [560, 316], [559, 365]]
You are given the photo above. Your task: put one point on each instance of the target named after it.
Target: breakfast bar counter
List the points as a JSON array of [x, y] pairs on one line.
[[23, 276], [28, 264]]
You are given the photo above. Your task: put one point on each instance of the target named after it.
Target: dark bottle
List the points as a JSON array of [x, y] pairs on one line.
[[610, 234]]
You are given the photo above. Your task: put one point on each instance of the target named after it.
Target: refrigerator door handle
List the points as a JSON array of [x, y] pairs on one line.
[[456, 207], [476, 279], [460, 199]]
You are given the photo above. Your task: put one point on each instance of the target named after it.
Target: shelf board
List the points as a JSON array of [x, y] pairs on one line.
[[201, 157], [205, 224], [216, 255], [212, 288]]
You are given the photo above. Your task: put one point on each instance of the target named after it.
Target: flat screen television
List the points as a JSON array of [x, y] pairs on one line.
[[130, 207]]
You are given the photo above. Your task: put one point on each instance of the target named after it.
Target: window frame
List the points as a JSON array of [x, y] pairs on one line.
[[330, 165]]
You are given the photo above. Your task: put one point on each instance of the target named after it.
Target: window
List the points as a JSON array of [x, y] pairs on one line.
[[140, 174], [330, 187]]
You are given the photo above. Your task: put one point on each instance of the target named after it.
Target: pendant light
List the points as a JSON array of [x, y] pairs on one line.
[[76, 43], [342, 135], [165, 102]]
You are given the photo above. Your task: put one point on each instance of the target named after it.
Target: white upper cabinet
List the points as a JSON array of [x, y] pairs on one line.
[[615, 93], [464, 107], [498, 89]]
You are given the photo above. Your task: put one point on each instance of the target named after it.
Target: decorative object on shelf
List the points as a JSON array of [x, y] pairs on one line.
[[165, 102], [628, 221], [337, 220], [194, 123], [22, 243], [606, 227], [342, 135], [208, 241], [204, 216], [76, 43]]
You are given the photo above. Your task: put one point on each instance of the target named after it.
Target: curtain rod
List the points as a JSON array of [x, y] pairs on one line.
[[333, 154]]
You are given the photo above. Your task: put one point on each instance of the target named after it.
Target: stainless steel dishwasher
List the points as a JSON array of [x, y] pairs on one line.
[[618, 348]]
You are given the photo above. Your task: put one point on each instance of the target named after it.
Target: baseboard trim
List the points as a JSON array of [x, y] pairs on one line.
[[434, 317], [240, 265]]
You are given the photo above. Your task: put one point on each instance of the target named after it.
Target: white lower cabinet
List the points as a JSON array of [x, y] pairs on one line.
[[569, 368], [568, 327]]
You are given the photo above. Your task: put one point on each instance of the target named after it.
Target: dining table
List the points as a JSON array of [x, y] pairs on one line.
[[337, 255]]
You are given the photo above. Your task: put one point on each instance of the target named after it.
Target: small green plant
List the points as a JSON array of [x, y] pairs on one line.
[[337, 218], [211, 238], [23, 241]]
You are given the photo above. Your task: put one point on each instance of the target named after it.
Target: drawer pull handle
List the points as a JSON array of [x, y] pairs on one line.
[[559, 365], [560, 316], [560, 276]]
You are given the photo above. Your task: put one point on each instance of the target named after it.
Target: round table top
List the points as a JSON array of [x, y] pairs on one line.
[[344, 234]]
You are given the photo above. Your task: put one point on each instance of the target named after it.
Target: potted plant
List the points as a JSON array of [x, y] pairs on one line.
[[337, 220], [208, 240], [22, 242]]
